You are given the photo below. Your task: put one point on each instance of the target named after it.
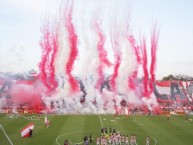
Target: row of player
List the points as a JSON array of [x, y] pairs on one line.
[[118, 139]]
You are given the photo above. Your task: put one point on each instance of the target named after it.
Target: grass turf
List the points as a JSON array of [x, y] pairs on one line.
[[175, 131]]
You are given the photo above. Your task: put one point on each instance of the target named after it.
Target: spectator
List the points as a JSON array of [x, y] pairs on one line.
[[102, 131], [110, 130], [90, 138], [85, 140], [65, 142], [114, 130], [30, 132], [147, 140], [105, 130]]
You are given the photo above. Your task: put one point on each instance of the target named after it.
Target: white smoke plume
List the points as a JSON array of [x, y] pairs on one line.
[[114, 22]]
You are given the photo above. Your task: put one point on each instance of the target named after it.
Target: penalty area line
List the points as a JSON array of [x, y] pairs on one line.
[[6, 135]]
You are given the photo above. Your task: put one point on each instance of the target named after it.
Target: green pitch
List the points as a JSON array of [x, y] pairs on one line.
[[161, 131]]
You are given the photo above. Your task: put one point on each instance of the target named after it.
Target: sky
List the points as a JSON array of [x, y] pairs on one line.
[[21, 22]]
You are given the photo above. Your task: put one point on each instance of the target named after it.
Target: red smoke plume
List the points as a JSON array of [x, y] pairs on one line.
[[145, 70], [148, 81], [133, 75], [102, 54], [72, 37], [49, 45], [154, 41]]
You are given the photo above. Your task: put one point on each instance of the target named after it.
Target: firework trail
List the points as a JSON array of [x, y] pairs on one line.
[[49, 45], [100, 48], [96, 25], [149, 77], [145, 69], [72, 37], [115, 37], [154, 41], [43, 64], [134, 74], [117, 57], [102, 54], [54, 40]]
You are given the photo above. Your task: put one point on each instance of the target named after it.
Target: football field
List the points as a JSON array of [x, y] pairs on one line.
[[176, 131]]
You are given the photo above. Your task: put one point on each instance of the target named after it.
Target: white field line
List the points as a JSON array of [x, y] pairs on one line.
[[65, 134], [101, 121], [27, 118], [6, 135], [99, 118], [78, 143], [31, 118], [134, 120], [154, 140], [70, 142]]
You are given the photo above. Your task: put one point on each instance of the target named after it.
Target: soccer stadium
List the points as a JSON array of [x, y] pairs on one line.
[[95, 83]]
